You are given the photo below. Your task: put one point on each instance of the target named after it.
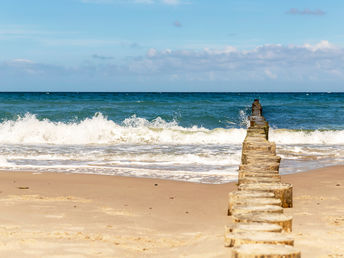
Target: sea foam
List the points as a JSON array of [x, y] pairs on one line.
[[136, 130], [323, 137], [100, 130]]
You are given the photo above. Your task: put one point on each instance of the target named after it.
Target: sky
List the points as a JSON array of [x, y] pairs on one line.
[[171, 45]]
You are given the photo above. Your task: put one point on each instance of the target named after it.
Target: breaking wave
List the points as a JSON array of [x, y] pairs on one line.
[[319, 137], [100, 130], [135, 130]]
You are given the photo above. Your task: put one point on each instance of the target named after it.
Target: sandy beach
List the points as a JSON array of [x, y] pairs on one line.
[[73, 215], [171, 128]]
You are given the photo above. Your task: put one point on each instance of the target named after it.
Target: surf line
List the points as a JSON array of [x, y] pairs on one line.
[[260, 228]]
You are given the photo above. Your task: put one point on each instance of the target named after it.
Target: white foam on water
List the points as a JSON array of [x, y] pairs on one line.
[[324, 137], [136, 130], [100, 130], [157, 148], [4, 162], [244, 121]]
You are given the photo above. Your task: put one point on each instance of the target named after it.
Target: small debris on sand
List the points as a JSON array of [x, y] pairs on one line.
[[23, 187]]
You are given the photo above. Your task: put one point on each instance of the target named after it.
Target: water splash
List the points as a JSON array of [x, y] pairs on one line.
[[244, 121]]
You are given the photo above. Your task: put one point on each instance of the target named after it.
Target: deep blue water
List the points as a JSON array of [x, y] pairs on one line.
[[209, 110], [181, 136]]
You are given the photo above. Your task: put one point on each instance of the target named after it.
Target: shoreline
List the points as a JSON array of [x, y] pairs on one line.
[[81, 215], [37, 172]]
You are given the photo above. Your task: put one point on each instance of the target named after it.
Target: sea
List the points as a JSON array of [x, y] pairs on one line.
[[195, 137]]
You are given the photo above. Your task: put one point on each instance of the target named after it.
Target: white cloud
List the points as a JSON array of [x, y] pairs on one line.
[[151, 52], [320, 62], [322, 45], [225, 50], [283, 62], [22, 61]]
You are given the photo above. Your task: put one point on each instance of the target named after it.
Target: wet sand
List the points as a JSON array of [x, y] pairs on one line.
[[70, 215]]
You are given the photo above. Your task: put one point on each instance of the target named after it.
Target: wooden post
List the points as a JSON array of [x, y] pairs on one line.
[[265, 251], [257, 206]]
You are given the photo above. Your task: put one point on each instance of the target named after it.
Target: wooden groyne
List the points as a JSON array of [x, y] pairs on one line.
[[260, 228]]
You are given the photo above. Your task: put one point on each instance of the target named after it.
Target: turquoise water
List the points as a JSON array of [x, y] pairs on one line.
[[209, 110], [181, 136]]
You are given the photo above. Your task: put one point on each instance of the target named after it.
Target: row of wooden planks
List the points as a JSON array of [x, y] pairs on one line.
[[260, 227]]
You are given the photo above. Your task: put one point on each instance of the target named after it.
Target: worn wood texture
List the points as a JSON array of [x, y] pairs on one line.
[[282, 191], [265, 251], [241, 238], [252, 208], [256, 207], [251, 174], [253, 227], [266, 166], [252, 202], [258, 179], [281, 219]]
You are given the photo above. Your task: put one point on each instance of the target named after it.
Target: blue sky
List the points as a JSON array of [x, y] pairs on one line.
[[171, 45]]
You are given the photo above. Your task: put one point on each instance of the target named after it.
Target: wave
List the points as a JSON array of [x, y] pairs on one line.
[[135, 130], [320, 137], [100, 130]]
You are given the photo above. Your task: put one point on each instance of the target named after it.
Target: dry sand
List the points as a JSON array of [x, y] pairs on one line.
[[69, 215]]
